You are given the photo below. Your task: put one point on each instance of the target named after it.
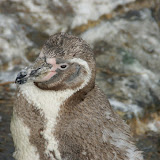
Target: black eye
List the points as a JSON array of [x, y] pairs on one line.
[[63, 66]]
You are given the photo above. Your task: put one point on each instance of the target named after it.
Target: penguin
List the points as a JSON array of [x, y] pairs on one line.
[[61, 114]]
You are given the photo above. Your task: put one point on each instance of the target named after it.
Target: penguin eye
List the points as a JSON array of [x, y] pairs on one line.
[[63, 66]]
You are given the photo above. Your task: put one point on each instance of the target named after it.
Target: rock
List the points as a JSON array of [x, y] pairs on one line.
[[150, 145], [125, 37]]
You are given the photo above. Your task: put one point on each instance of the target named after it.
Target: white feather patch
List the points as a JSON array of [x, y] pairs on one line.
[[121, 141], [21, 133], [49, 103]]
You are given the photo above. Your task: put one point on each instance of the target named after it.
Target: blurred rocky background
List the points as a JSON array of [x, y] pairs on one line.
[[125, 36]]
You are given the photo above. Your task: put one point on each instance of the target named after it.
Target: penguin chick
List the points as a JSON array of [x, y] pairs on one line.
[[60, 114]]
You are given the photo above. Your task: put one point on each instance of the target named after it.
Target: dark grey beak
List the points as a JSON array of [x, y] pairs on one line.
[[25, 74], [33, 72]]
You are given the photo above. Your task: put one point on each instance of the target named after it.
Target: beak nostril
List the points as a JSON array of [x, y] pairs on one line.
[[33, 72]]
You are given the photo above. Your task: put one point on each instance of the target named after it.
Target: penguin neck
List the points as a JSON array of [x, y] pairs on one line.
[[77, 97], [47, 100], [50, 101]]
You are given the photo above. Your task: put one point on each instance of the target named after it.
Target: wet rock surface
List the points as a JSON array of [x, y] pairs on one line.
[[150, 145], [6, 104], [125, 38]]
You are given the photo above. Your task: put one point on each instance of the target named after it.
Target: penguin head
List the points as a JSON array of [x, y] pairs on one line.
[[65, 62]]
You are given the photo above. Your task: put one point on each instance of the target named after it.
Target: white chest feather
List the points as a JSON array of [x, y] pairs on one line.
[[49, 103], [21, 134]]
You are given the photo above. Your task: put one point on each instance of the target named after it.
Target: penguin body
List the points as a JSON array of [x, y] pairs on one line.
[[60, 114]]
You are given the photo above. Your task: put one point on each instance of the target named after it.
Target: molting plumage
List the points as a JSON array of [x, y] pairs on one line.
[[60, 114]]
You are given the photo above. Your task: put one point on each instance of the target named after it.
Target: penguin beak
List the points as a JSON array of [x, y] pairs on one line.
[[27, 74], [42, 70], [35, 72]]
